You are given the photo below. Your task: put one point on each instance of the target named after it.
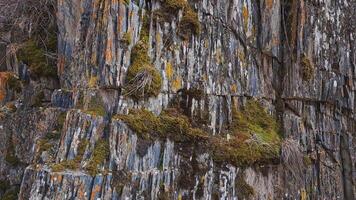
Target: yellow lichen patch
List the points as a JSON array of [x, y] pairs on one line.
[[206, 43], [233, 88], [245, 14], [158, 38], [205, 77], [169, 70], [177, 84], [303, 194], [219, 57], [93, 81]]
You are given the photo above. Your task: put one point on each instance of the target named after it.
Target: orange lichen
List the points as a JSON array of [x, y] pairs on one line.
[[177, 83], [95, 191], [108, 52], [7, 79], [269, 4], [245, 14]]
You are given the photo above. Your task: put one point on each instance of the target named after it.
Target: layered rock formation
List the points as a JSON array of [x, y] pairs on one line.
[[67, 137]]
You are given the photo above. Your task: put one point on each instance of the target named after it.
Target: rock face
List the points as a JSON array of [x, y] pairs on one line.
[[61, 137]]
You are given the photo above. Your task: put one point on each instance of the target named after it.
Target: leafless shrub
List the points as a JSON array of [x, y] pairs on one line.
[[24, 19], [292, 158], [32, 16], [139, 82]]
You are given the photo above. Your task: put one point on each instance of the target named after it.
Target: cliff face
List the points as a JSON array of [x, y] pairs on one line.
[[75, 135]]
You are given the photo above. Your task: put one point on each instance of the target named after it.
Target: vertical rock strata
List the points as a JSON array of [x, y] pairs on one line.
[[295, 58]]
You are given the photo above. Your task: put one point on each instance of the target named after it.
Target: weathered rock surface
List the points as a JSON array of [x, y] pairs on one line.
[[295, 57]]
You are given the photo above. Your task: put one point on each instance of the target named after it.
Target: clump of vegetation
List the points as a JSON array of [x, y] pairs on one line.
[[60, 120], [75, 163], [143, 122], [58, 167], [254, 138], [178, 127], [126, 38], [254, 133], [4, 185], [44, 145], [10, 156], [11, 194], [14, 83], [47, 143], [307, 160], [96, 106], [100, 154], [93, 82], [34, 55], [195, 93], [33, 23], [189, 23], [170, 123], [175, 5], [143, 80], [307, 68]]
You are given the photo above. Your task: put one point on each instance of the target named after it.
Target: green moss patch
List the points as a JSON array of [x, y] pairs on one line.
[[254, 138], [143, 80], [96, 106], [100, 154], [35, 56], [60, 120], [11, 194], [188, 25], [170, 123], [75, 163], [126, 38], [4, 185], [253, 133]]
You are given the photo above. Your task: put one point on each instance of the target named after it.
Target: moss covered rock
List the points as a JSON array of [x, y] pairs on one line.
[[35, 55], [254, 138], [143, 80]]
